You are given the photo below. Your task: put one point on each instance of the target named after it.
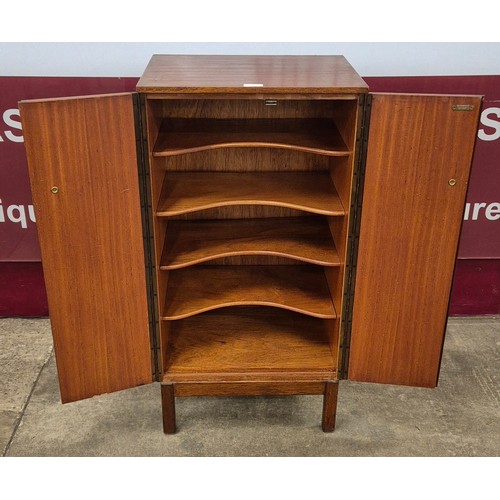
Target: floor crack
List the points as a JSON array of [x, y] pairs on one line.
[[28, 399]]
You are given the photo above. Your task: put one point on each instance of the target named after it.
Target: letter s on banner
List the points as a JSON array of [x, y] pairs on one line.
[[10, 122], [490, 122]]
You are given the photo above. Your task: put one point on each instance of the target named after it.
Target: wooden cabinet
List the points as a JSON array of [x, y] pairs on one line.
[[248, 225]]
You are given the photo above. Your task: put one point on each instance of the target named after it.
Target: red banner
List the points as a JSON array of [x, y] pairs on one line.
[[481, 229], [18, 240], [18, 237], [477, 281]]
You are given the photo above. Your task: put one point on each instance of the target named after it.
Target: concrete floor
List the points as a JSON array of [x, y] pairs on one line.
[[459, 418]]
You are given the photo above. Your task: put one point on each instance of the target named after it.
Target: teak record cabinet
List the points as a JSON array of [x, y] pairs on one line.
[[248, 225]]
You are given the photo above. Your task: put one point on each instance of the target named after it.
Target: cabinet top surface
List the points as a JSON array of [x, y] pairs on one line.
[[250, 75]]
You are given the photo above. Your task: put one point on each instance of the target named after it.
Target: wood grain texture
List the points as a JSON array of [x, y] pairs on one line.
[[90, 236], [228, 74], [255, 388], [410, 227], [168, 408], [246, 344], [306, 239], [185, 192], [189, 136], [197, 289], [330, 406], [254, 107], [252, 159], [240, 212], [217, 96]]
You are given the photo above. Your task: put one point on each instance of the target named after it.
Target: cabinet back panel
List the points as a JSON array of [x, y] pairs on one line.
[[247, 160], [255, 108], [241, 212], [90, 236], [410, 226]]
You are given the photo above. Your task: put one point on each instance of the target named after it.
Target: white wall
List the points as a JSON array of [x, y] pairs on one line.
[[130, 59]]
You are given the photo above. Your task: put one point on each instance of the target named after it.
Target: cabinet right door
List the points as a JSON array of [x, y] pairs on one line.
[[418, 161]]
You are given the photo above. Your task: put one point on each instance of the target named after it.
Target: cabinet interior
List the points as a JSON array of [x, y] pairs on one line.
[[250, 201]]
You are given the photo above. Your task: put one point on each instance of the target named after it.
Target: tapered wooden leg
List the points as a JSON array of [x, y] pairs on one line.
[[330, 406], [168, 408]]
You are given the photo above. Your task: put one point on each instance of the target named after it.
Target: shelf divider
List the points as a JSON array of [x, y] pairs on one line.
[[306, 239], [185, 192], [196, 289]]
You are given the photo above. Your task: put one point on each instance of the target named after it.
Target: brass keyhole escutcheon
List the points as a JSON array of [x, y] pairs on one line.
[[452, 182], [54, 190]]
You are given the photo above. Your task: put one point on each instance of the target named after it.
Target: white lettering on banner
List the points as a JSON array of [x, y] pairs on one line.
[[17, 214], [487, 121], [491, 211], [8, 118]]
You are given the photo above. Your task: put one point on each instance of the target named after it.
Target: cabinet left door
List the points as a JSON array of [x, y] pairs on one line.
[[84, 179]]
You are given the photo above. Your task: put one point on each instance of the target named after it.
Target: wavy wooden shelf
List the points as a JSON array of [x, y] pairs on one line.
[[182, 136], [245, 344], [196, 289], [307, 239], [185, 192]]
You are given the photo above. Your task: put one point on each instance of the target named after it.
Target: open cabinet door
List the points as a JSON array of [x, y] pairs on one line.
[[84, 179], [417, 170]]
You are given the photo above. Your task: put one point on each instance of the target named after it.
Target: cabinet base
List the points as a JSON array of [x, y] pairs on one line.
[[328, 388]]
